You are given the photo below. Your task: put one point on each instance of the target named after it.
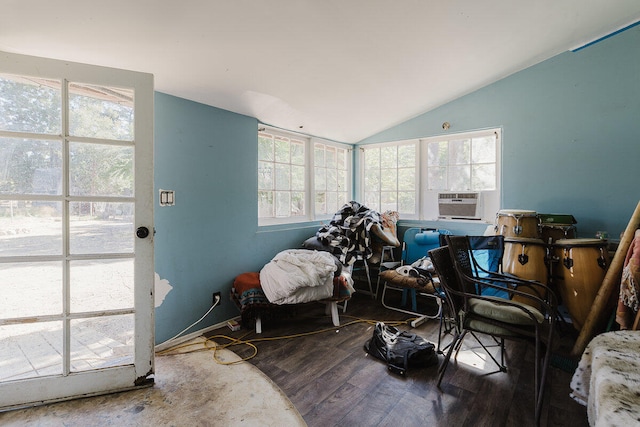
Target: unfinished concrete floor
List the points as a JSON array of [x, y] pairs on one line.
[[190, 389]]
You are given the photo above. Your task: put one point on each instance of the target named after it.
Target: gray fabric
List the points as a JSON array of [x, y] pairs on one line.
[[504, 313]]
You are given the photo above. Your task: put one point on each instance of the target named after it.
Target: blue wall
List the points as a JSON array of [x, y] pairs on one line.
[[571, 133], [208, 157], [571, 144]]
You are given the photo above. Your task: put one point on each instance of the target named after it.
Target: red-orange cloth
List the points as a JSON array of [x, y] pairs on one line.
[[245, 281]]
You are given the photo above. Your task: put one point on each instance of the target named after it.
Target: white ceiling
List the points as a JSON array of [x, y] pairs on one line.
[[339, 69]]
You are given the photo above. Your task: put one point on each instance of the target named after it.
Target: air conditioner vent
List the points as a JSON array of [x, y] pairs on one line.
[[459, 205]]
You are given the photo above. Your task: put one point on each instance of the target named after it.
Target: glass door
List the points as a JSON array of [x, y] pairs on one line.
[[76, 221]]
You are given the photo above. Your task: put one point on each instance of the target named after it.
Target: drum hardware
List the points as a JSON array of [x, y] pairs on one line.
[[568, 262], [602, 262], [523, 258]]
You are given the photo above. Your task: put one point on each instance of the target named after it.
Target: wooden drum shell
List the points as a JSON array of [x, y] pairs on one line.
[[581, 267], [517, 223], [526, 258]]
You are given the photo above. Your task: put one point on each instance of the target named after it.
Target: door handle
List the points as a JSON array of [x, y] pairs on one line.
[[142, 232]]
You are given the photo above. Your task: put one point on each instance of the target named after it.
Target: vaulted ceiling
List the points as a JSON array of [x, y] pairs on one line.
[[339, 69]]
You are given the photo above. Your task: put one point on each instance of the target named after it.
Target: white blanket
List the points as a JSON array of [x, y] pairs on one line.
[[297, 276], [607, 380]]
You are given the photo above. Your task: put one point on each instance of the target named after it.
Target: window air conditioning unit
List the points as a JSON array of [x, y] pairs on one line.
[[459, 206]]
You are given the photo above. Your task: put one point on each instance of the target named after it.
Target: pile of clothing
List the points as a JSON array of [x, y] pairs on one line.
[[350, 232]]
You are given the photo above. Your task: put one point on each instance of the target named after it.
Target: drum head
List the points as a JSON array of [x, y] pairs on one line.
[[524, 240], [516, 212], [580, 242]]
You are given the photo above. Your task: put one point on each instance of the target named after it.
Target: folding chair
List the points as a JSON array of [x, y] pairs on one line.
[[531, 319], [416, 244]]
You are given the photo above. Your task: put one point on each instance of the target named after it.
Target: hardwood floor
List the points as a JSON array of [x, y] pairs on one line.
[[333, 382]]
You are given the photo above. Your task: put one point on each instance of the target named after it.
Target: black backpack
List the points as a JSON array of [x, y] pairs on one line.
[[400, 349]]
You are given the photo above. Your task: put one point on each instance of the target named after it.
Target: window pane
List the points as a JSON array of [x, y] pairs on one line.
[[35, 166], [101, 342], [483, 177], [265, 147], [388, 201], [30, 228], [321, 203], [265, 204], [483, 150], [283, 177], [320, 179], [437, 179], [100, 170], [297, 152], [407, 202], [45, 338], [265, 176], [372, 180], [39, 283], [330, 157], [407, 156], [406, 179], [341, 159], [437, 153], [389, 157], [341, 180], [91, 280], [101, 112], [371, 158], [283, 153], [459, 152], [297, 204], [297, 178], [459, 178], [99, 227], [389, 179], [332, 202], [342, 200], [30, 104], [318, 153], [283, 204], [332, 179], [372, 200]]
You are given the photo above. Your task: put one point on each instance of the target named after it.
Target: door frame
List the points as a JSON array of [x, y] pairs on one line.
[[40, 390]]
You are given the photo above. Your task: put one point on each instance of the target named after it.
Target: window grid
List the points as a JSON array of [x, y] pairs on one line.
[[330, 178], [390, 178], [467, 164], [457, 162], [281, 176], [300, 178]]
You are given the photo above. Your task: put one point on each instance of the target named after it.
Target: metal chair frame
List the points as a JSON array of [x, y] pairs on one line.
[[452, 266], [411, 292]]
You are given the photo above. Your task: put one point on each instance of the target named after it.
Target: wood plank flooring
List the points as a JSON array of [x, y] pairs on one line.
[[333, 382]]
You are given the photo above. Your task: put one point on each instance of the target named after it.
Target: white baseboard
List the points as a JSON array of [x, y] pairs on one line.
[[184, 338]]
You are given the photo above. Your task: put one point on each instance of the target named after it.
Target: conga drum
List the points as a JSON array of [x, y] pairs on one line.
[[517, 223], [552, 232], [526, 258], [582, 264]]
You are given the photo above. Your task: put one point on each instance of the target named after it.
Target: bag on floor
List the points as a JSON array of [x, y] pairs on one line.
[[400, 349]]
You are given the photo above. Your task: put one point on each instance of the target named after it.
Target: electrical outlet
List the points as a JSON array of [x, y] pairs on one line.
[[216, 295]]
